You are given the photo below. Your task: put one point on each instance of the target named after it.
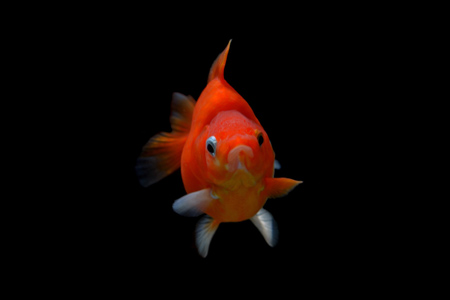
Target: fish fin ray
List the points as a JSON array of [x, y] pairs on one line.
[[267, 225], [193, 204], [204, 232], [218, 66], [182, 109], [161, 155], [279, 187]]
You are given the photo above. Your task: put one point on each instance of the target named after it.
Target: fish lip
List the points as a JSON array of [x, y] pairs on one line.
[[236, 158]]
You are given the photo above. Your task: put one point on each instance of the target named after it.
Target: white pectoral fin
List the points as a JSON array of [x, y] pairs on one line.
[[193, 204], [276, 165], [266, 224], [206, 227]]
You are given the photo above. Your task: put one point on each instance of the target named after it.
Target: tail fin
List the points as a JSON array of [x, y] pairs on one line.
[[162, 154], [219, 65]]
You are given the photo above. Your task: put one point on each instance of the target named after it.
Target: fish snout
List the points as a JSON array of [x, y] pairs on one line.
[[236, 157]]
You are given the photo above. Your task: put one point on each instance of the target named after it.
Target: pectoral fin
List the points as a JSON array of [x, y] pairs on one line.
[[276, 165], [279, 187], [193, 204], [266, 224]]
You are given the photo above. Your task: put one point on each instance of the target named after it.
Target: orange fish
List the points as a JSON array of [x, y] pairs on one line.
[[227, 161]]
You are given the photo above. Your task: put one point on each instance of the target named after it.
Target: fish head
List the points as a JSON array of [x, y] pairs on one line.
[[238, 152]]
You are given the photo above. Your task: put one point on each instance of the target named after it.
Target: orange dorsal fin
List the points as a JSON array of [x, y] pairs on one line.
[[219, 65]]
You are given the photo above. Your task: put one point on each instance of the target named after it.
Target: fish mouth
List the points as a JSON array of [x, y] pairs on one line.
[[237, 157]]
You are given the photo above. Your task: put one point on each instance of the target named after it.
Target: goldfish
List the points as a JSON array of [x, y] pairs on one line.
[[226, 159]]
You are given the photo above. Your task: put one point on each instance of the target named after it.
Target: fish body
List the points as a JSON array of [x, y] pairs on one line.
[[226, 159]]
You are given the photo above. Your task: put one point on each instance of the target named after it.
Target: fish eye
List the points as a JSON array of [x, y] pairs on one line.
[[260, 138], [211, 143]]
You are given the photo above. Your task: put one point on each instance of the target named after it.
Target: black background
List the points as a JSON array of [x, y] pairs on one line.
[[321, 88]]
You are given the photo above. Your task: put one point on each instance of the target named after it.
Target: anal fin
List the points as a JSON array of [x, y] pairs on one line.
[[206, 227], [266, 224]]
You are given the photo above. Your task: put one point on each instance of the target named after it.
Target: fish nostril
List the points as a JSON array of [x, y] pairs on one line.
[[234, 156], [236, 151]]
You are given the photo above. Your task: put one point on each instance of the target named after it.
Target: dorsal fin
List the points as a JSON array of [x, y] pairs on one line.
[[219, 65]]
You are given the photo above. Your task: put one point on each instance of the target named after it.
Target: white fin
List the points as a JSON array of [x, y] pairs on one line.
[[266, 224], [193, 204], [276, 165], [204, 232]]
